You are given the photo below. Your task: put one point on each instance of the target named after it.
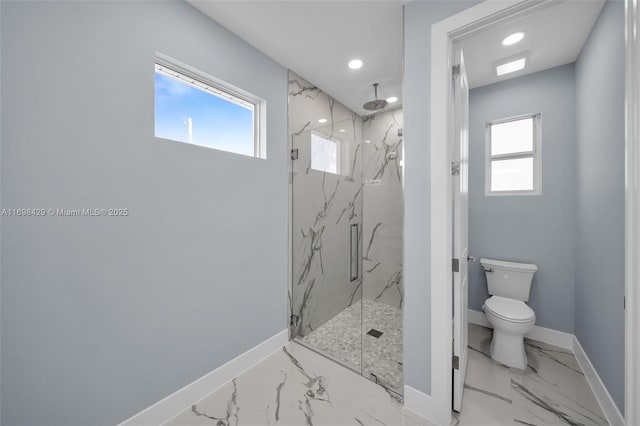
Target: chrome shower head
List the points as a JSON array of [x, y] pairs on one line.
[[375, 104]]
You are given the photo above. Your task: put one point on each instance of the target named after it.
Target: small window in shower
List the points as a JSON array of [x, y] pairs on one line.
[[329, 155], [513, 156], [325, 155]]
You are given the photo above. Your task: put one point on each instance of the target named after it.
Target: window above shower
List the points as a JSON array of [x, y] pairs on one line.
[[513, 156]]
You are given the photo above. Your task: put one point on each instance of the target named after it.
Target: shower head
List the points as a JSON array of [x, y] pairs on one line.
[[375, 104]]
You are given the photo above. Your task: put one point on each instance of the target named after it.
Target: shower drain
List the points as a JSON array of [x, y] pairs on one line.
[[375, 333]]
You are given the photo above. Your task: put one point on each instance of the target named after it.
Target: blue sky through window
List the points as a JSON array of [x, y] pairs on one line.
[[216, 122]]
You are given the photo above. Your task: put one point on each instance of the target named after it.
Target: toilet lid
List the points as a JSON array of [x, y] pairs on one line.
[[509, 309]]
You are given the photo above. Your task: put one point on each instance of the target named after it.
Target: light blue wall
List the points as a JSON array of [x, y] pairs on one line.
[[102, 317], [418, 18], [531, 229], [600, 199]]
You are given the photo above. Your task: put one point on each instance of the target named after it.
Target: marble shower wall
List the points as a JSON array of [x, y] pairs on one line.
[[383, 208], [325, 205]]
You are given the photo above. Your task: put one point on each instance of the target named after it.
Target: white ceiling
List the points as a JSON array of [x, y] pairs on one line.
[[316, 39], [554, 36]]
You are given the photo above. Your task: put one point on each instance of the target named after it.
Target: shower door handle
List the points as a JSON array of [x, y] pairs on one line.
[[354, 251]]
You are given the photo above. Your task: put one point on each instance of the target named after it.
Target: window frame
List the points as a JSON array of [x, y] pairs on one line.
[[220, 89], [535, 154]]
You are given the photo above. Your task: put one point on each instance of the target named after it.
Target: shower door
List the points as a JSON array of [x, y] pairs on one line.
[[326, 289]]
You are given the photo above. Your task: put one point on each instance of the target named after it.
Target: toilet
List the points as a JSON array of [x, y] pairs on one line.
[[511, 318]]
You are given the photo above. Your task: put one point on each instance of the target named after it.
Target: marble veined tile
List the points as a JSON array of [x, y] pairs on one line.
[[412, 419], [297, 387], [552, 390], [487, 395]]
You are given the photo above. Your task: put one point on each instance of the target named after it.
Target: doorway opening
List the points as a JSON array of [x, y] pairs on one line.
[[444, 35]]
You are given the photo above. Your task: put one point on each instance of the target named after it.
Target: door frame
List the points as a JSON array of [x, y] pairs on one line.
[[443, 35]]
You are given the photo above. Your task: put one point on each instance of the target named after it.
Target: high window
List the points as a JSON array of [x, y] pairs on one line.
[[197, 109], [513, 156]]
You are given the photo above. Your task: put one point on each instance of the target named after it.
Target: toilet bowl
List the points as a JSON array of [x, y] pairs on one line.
[[511, 320], [509, 284]]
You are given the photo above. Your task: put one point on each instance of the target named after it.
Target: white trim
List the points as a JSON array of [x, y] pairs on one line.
[[172, 405], [632, 212], [419, 403], [599, 389], [479, 318], [551, 337], [541, 334]]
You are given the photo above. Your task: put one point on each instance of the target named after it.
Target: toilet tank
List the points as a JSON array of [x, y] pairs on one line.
[[508, 279]]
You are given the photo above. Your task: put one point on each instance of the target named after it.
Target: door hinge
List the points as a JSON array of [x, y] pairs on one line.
[[455, 265], [455, 362], [293, 320], [294, 154], [455, 168], [455, 71]]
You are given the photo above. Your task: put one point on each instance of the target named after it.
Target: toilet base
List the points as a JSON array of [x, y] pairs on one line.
[[508, 349]]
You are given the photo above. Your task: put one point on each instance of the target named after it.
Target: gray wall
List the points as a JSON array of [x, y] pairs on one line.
[[418, 18], [524, 228], [102, 317], [599, 323]]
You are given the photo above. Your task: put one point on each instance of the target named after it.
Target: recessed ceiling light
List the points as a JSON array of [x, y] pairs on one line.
[[513, 38], [355, 64], [322, 120], [392, 99], [367, 141], [342, 130], [510, 67]]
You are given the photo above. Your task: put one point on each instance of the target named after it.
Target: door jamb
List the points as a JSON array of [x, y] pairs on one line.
[[632, 212]]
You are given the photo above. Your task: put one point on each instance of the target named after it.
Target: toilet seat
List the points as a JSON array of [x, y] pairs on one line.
[[509, 309]]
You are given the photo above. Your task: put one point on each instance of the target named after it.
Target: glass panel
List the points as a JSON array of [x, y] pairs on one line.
[[327, 216], [347, 289], [382, 212], [512, 175], [512, 136]]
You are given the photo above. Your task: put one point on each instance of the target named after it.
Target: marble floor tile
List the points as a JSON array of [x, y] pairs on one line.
[[552, 390], [296, 387]]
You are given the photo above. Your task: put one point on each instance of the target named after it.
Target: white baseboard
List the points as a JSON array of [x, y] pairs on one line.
[[609, 407], [419, 403], [479, 318], [541, 334], [169, 407]]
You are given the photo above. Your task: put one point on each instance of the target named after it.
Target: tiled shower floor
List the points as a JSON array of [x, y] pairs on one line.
[[345, 339]]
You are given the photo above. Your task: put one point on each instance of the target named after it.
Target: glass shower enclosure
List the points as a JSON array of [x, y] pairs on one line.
[[345, 298]]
